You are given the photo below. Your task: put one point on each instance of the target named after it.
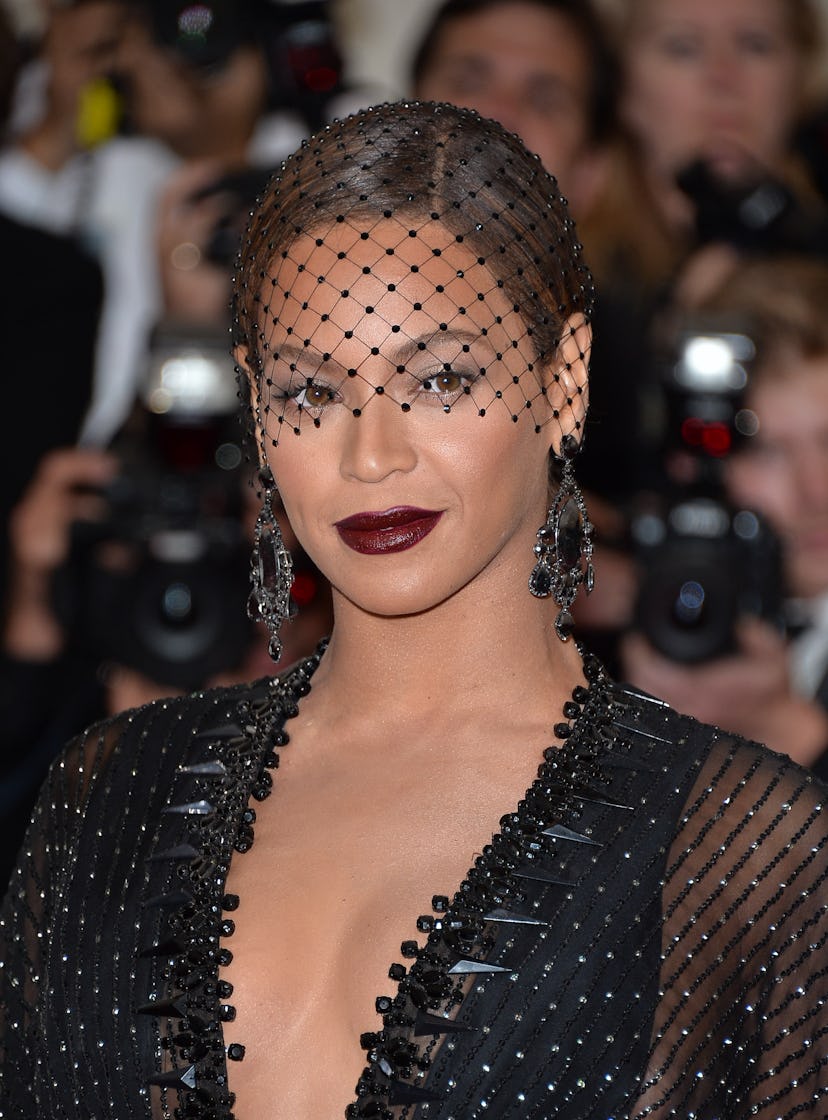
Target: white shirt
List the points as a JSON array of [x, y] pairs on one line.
[[809, 650], [108, 197]]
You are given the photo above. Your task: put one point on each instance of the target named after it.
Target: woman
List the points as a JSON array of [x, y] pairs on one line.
[[713, 95], [625, 919]]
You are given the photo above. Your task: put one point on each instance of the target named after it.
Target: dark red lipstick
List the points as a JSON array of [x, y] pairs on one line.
[[389, 530]]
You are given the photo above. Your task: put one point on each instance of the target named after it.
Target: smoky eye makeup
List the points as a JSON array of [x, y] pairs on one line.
[[444, 385]]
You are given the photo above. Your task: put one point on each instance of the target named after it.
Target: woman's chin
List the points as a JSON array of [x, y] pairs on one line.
[[388, 598]]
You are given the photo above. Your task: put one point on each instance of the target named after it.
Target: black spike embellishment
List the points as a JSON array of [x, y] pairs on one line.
[[400, 1092], [465, 967], [426, 1024], [561, 832], [179, 852], [190, 809], [176, 1078], [510, 917]]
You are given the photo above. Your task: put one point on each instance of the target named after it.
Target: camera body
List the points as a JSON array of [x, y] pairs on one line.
[[758, 213], [704, 561], [160, 583], [237, 191], [297, 39]]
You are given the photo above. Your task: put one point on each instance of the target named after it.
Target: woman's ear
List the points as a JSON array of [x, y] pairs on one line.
[[246, 370], [241, 357], [568, 380]]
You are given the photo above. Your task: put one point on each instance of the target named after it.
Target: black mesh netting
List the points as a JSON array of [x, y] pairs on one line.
[[420, 256]]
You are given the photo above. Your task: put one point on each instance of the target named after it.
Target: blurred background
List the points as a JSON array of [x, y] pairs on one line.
[[377, 38]]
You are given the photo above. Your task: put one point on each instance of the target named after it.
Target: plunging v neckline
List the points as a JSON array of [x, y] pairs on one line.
[[461, 943]]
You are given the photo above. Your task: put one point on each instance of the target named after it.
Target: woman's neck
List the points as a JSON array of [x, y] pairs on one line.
[[469, 654]]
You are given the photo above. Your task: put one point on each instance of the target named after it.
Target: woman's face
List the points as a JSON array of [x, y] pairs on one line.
[[784, 472], [712, 79], [403, 394]]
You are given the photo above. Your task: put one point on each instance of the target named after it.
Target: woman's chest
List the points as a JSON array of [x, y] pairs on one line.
[[321, 905], [334, 929], [327, 899]]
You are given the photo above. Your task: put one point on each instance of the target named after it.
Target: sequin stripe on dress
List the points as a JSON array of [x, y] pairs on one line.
[[462, 932], [216, 792]]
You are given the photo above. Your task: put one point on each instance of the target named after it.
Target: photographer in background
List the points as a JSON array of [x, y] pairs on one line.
[[543, 68], [129, 573], [774, 687], [712, 96], [134, 91], [129, 554], [706, 170], [62, 361]]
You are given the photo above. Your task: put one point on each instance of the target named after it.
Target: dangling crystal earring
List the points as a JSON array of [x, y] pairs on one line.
[[271, 571], [564, 545]]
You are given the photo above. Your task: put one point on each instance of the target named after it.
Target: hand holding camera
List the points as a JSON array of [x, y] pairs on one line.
[[705, 562], [749, 689], [65, 490], [160, 581]]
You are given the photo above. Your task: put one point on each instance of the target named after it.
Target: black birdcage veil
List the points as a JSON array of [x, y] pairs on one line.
[[414, 252]]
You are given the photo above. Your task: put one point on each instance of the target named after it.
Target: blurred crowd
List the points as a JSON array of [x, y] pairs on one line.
[[691, 139]]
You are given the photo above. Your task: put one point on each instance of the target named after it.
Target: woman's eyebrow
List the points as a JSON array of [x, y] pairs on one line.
[[430, 339], [306, 353], [398, 353]]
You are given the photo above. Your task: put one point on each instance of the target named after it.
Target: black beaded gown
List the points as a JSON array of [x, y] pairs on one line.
[[644, 937]]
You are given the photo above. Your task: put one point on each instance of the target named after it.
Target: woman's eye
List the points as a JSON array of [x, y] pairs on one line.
[[313, 396], [307, 396], [757, 43], [445, 386], [680, 46], [445, 382]]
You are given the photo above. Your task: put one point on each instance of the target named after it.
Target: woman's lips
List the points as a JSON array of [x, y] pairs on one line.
[[389, 530]]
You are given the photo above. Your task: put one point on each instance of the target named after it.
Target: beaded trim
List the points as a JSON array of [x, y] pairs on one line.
[[459, 934], [462, 931], [235, 771]]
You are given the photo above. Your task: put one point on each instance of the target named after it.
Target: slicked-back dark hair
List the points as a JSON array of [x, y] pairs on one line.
[[421, 161]]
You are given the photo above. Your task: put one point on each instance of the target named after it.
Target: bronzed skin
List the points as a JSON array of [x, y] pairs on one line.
[[419, 731]]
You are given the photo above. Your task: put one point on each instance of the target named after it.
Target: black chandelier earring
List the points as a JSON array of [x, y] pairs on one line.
[[271, 570], [564, 547]]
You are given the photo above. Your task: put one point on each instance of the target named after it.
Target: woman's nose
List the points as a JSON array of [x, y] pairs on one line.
[[724, 70], [378, 441]]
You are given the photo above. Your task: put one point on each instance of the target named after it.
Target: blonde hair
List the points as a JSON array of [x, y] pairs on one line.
[[805, 26], [624, 233]]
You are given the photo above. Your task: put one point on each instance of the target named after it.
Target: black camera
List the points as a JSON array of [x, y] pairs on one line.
[[237, 191], [297, 39], [160, 583], [704, 562], [757, 213]]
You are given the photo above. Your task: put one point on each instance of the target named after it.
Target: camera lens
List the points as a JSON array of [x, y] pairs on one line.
[[177, 603], [689, 605]]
